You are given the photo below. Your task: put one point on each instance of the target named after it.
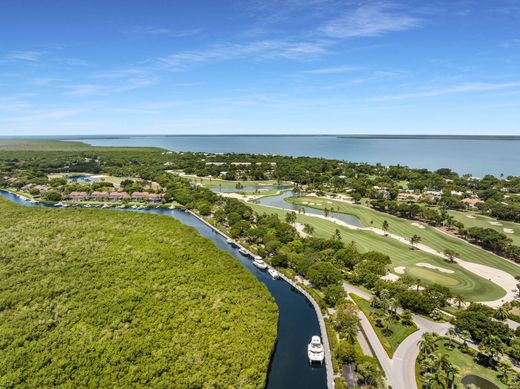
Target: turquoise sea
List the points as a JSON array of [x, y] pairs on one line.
[[473, 155]]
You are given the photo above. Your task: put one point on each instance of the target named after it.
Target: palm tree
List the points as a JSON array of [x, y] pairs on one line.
[[502, 313], [491, 346], [465, 336], [504, 370], [427, 343], [418, 284], [459, 300], [415, 240], [450, 254], [385, 227], [437, 380], [452, 372], [451, 335]]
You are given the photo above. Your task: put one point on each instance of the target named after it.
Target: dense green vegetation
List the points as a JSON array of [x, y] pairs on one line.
[[445, 361], [105, 298], [390, 328]]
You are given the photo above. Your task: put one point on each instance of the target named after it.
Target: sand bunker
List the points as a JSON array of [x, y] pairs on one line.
[[430, 266], [390, 277], [400, 269], [300, 228], [418, 225], [495, 223], [470, 216], [509, 231]]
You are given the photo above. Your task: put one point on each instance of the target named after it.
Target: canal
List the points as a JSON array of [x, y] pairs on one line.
[[297, 321]]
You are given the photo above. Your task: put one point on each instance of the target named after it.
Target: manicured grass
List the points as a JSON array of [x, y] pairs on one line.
[[467, 364], [397, 331], [403, 227], [463, 282], [482, 221], [217, 183]]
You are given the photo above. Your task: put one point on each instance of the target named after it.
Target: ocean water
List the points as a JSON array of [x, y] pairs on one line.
[[463, 155]]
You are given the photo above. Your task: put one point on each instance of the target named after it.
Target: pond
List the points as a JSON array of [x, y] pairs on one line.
[[251, 188], [297, 321], [279, 202], [82, 179], [479, 382]]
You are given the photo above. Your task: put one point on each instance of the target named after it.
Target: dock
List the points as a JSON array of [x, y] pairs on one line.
[[324, 336]]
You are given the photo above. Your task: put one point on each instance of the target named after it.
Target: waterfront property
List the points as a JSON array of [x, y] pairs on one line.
[[78, 196]]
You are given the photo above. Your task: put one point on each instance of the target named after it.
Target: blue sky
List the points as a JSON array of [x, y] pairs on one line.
[[259, 66]]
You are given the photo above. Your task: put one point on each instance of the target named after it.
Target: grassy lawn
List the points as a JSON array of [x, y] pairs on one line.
[[461, 281], [467, 364], [403, 227], [482, 221], [397, 331], [217, 183]]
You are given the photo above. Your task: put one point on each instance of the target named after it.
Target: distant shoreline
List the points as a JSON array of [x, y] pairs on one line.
[[339, 136]]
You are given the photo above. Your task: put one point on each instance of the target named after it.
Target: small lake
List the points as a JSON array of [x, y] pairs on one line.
[[297, 321], [251, 188], [479, 382], [279, 202], [82, 179]]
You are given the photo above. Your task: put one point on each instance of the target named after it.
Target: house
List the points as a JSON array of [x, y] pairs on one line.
[[99, 196], [42, 188], [471, 202], [405, 196], [117, 196], [78, 196], [137, 196], [154, 198]]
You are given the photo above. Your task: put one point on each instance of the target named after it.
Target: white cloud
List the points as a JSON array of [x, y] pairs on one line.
[[44, 115], [463, 88], [265, 49], [147, 30], [82, 90], [31, 56], [372, 19], [334, 70]]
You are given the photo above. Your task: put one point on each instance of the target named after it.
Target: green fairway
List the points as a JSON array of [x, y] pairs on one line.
[[397, 332], [403, 227], [471, 219], [461, 281], [218, 183]]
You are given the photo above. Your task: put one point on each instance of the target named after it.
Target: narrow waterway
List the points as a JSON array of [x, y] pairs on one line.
[[279, 202], [297, 319]]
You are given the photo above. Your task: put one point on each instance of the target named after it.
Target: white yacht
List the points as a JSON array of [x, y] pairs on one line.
[[229, 241], [315, 350], [87, 206], [105, 206], [243, 251], [134, 206], [260, 264], [60, 204], [273, 273]]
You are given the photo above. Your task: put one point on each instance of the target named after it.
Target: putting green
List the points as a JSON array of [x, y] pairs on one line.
[[429, 236], [469, 285], [432, 276]]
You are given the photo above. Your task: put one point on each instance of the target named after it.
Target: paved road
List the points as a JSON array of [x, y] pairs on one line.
[[399, 370]]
